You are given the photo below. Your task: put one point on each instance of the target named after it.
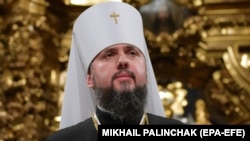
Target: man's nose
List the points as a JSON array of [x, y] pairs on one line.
[[122, 62]]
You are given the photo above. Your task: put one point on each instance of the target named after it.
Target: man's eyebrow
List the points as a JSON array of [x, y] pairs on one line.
[[108, 49], [132, 47]]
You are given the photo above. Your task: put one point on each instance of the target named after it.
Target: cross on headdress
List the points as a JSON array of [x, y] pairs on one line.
[[114, 15]]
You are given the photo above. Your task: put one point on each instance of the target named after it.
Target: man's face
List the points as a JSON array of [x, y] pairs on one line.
[[118, 76], [120, 66]]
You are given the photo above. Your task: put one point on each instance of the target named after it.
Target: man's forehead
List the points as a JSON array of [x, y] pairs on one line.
[[122, 45]]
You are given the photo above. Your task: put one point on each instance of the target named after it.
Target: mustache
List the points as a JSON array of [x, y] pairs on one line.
[[128, 72]]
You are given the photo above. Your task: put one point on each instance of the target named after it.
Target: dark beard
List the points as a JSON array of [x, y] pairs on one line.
[[128, 105]]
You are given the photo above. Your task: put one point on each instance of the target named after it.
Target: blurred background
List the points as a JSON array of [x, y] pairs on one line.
[[200, 51]]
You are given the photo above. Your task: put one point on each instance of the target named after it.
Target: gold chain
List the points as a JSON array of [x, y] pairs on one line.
[[95, 121]]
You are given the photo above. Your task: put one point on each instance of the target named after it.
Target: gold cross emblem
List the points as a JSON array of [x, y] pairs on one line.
[[114, 15]]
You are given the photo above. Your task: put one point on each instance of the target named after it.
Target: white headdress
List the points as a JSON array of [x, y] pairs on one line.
[[96, 28]]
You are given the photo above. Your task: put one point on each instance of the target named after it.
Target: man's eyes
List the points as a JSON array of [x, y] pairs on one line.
[[133, 52], [129, 52], [109, 54]]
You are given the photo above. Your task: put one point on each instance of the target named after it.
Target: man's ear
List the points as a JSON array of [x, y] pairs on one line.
[[90, 81]]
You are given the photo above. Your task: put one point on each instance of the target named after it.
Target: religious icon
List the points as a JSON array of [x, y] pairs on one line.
[[163, 16]]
